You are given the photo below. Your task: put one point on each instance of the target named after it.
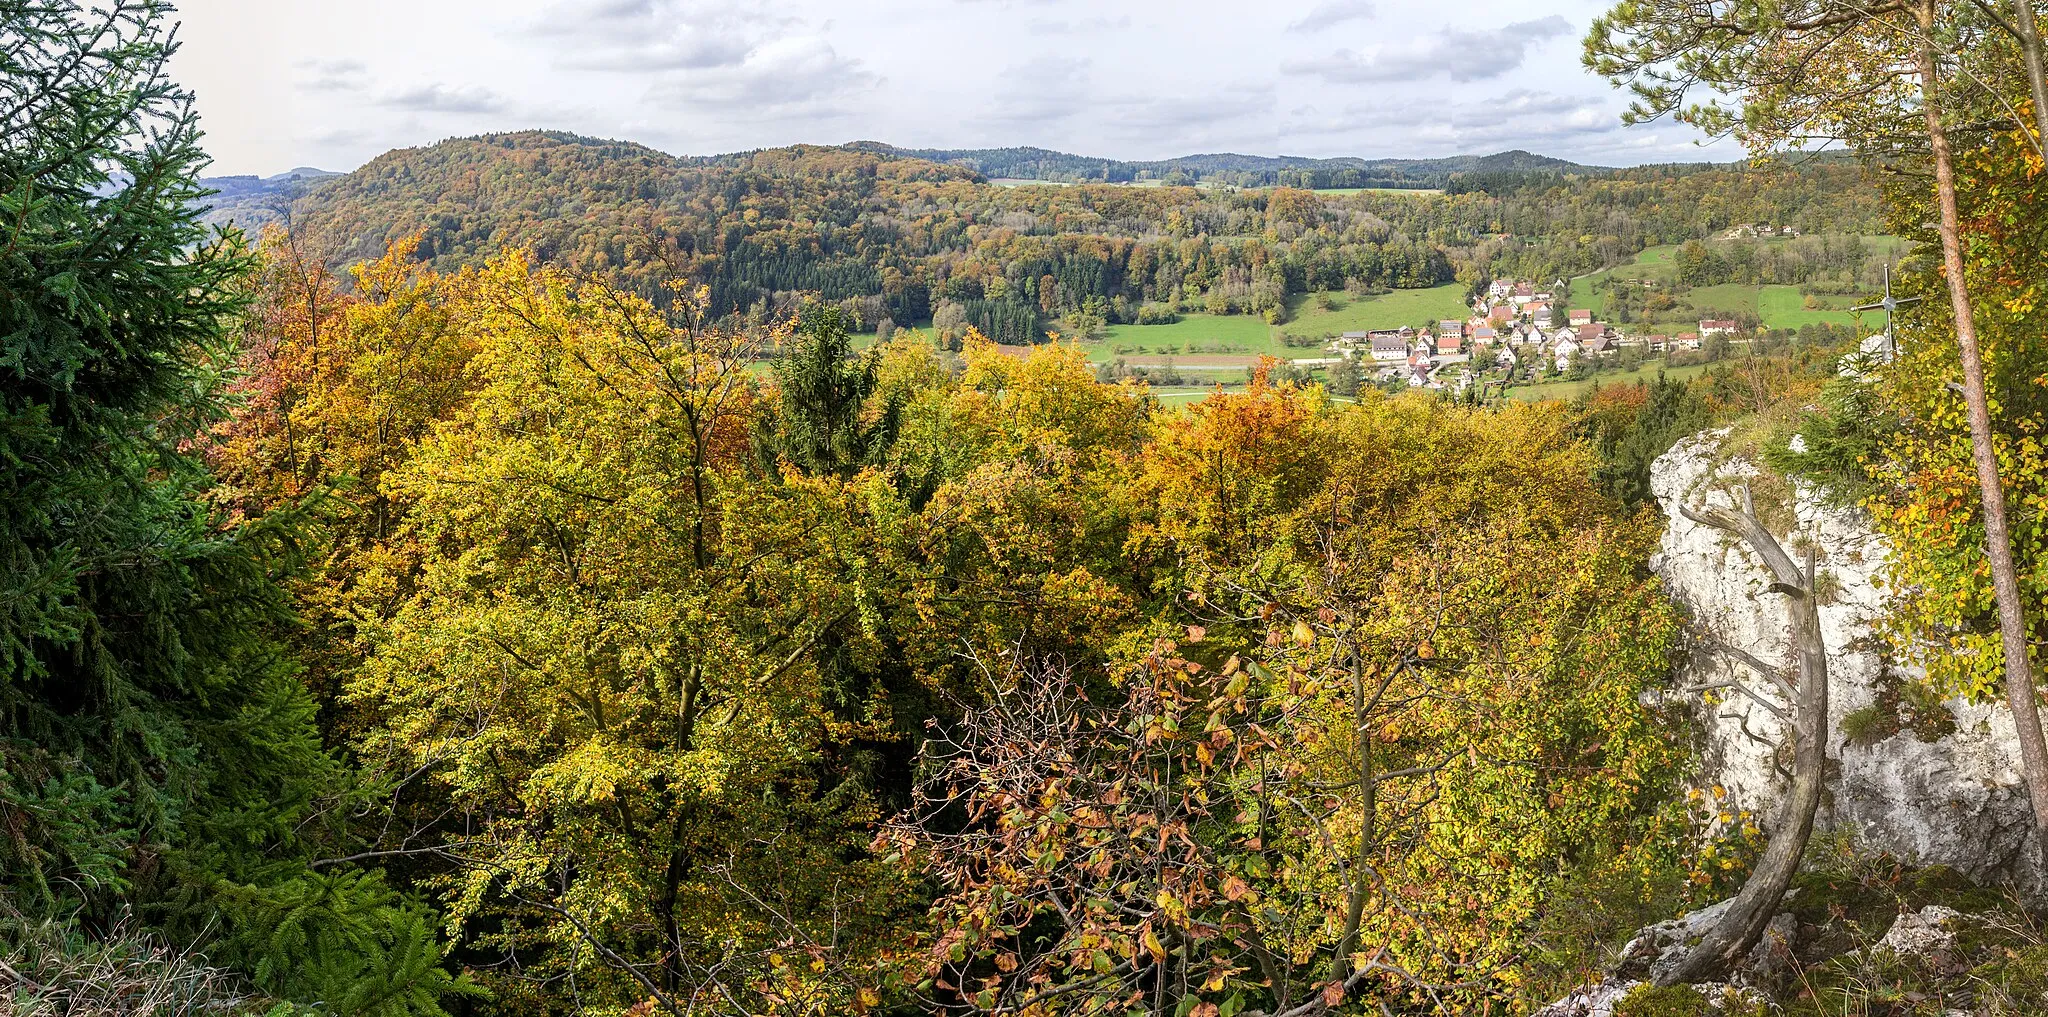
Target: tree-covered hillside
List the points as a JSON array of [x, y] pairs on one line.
[[911, 240], [1230, 169]]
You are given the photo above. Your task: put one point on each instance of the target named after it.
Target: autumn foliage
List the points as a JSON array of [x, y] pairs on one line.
[[1048, 700]]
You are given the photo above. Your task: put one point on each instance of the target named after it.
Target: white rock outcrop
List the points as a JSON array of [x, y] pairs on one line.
[[1957, 800], [1919, 933], [1597, 1000]]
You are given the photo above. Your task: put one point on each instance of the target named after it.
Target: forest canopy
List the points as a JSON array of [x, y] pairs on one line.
[[525, 578]]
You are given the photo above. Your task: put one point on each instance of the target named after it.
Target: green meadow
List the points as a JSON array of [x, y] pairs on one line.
[[1249, 335], [1574, 389], [1192, 335], [1387, 310], [1776, 306]]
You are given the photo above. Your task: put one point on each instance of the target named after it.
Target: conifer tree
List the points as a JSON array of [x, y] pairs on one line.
[[825, 391], [158, 754], [123, 609]]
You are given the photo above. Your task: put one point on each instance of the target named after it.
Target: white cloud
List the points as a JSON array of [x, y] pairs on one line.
[[439, 98], [628, 36], [1454, 53], [790, 76], [331, 75], [288, 84], [1330, 15]]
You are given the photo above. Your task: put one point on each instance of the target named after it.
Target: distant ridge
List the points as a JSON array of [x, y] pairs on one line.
[[1231, 168], [560, 191], [299, 173]]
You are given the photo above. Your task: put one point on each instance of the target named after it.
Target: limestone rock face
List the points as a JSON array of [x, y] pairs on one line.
[[1955, 800]]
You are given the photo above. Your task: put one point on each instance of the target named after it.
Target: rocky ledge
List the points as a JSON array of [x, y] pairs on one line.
[[1930, 784]]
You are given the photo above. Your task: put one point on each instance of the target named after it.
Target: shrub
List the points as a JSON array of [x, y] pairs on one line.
[[1157, 314]]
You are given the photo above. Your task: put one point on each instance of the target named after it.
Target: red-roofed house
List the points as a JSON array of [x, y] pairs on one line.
[[1579, 317]]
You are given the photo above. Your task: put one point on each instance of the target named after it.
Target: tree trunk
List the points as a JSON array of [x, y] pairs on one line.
[[1360, 865], [2029, 29], [2012, 624], [1725, 945]]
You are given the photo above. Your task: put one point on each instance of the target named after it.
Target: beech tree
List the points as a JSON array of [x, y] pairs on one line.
[[1356, 768]]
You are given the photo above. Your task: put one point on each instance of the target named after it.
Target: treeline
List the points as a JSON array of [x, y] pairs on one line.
[[763, 229], [1835, 264], [1230, 169]]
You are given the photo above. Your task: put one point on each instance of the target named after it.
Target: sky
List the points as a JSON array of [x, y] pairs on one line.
[[332, 84]]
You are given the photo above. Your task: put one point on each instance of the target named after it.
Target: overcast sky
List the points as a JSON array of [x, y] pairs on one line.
[[329, 83]]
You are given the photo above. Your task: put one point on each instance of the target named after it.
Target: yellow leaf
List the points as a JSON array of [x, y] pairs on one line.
[[1303, 634]]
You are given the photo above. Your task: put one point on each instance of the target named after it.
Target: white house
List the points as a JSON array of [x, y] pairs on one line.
[[1389, 346], [1717, 326], [1565, 350]]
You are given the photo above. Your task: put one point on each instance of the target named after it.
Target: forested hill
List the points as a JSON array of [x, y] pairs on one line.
[[909, 239], [1230, 168]]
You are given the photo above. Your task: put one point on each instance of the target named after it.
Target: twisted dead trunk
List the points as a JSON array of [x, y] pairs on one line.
[[1725, 945]]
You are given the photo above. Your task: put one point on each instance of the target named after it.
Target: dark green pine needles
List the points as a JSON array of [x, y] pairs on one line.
[[159, 757], [824, 427]]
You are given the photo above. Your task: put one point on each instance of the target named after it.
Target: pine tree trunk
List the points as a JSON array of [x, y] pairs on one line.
[[2029, 29], [2012, 624]]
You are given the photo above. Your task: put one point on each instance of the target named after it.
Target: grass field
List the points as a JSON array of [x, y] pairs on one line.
[[1417, 191], [1389, 310], [1249, 335], [1183, 395], [1025, 182], [1574, 389], [1777, 306], [1731, 298], [1785, 307], [1244, 334]]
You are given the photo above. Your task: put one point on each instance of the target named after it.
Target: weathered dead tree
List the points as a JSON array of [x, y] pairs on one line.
[[1732, 937]]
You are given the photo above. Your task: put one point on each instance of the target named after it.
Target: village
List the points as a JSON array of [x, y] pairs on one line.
[[1515, 331]]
